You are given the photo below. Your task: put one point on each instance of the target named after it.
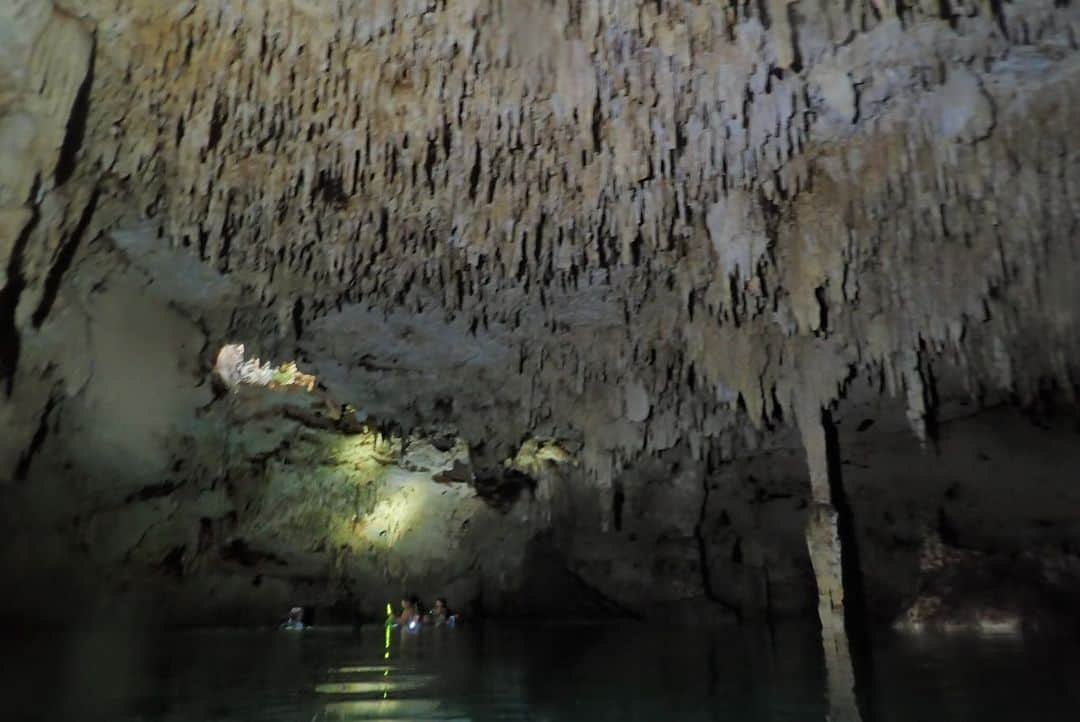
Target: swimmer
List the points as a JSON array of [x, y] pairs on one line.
[[410, 616], [295, 620], [441, 614]]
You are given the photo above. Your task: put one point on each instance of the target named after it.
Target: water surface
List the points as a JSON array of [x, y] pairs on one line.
[[546, 672]]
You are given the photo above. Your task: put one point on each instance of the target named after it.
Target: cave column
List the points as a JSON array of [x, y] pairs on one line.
[[823, 540]]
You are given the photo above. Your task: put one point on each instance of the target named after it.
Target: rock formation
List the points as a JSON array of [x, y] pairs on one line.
[[711, 307]]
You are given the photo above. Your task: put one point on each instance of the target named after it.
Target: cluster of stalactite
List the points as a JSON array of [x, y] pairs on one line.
[[755, 200]]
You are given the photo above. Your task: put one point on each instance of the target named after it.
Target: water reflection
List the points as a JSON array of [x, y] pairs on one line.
[[383, 709], [549, 672], [384, 686]]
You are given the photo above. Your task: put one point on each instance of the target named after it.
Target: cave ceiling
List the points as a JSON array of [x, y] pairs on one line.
[[629, 224]]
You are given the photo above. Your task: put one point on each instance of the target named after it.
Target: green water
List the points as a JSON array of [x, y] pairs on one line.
[[519, 672]]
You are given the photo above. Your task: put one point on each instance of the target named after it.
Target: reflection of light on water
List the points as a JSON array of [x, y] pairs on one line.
[[382, 708], [384, 686], [982, 627]]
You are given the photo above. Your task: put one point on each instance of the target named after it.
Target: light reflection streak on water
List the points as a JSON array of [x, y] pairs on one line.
[[384, 686], [383, 709]]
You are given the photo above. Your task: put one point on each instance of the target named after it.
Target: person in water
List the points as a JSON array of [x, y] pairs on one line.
[[295, 620], [410, 616], [441, 614]]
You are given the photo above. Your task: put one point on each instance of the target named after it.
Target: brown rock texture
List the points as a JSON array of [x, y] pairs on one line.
[[658, 236]]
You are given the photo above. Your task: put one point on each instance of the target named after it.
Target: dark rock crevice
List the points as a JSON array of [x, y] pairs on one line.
[[22, 469], [502, 490], [10, 342], [63, 261], [240, 552], [75, 134]]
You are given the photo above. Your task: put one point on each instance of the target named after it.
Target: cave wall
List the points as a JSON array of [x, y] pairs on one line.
[[660, 236], [980, 527]]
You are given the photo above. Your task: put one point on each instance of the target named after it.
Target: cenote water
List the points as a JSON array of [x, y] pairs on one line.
[[516, 672]]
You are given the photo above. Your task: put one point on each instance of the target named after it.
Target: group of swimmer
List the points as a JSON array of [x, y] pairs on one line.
[[412, 618]]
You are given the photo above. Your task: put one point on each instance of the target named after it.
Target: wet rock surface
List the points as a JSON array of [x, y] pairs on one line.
[[574, 283]]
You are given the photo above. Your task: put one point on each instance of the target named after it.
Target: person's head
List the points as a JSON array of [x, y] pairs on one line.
[[440, 606], [296, 614]]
